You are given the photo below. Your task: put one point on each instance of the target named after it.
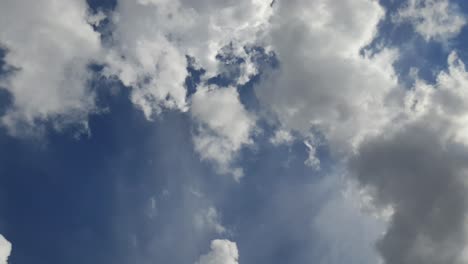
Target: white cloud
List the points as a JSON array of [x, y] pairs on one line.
[[153, 38], [312, 160], [97, 18], [222, 252], [433, 19], [324, 84], [224, 126], [151, 41], [447, 100], [146, 61], [5, 250], [147, 51], [51, 49], [281, 137]]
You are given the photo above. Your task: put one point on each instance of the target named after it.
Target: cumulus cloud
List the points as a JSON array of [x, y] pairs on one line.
[[143, 58], [419, 167], [50, 51], [5, 250], [432, 19], [223, 126], [152, 39], [222, 252], [408, 148], [325, 84], [148, 49]]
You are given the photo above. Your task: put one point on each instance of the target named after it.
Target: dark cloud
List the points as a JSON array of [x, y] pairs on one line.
[[421, 175]]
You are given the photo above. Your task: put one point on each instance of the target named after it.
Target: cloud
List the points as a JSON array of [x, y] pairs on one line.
[[407, 147], [209, 219], [152, 39], [325, 84], [50, 51], [223, 126], [312, 160], [5, 250], [419, 168], [147, 50], [343, 219], [144, 59], [432, 19], [421, 178], [281, 137], [222, 252]]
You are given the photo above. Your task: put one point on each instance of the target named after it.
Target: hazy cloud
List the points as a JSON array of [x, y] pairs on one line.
[[433, 19]]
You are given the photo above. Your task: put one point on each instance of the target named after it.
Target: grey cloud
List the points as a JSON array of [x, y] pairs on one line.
[[412, 159], [418, 165], [422, 177]]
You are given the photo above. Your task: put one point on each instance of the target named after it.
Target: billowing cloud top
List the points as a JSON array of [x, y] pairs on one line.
[[222, 252]]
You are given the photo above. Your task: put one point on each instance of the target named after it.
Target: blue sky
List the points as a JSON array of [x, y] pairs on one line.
[[226, 132]]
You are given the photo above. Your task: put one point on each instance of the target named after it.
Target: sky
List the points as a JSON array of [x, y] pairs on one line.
[[227, 132]]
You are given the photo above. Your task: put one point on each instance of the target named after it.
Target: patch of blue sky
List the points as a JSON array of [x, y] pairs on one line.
[[97, 5], [459, 43], [428, 57], [71, 200]]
